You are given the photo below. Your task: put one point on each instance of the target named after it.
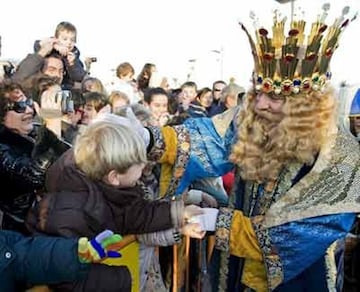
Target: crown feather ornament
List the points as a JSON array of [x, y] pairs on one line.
[[289, 63]]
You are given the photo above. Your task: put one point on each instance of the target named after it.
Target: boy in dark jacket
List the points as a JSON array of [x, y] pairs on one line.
[[94, 186]]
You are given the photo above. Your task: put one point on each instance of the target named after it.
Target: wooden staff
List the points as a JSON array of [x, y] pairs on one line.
[[187, 263], [210, 246], [175, 268]]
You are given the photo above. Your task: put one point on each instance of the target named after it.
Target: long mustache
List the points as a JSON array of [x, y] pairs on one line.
[[269, 116]]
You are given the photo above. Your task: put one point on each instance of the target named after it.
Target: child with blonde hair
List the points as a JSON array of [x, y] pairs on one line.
[[117, 99], [94, 186]]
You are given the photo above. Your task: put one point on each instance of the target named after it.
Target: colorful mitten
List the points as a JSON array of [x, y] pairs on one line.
[[105, 245]]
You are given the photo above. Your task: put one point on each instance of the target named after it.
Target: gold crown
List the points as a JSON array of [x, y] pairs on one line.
[[293, 63]]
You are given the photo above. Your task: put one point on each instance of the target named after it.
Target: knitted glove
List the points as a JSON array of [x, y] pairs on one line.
[[104, 245]]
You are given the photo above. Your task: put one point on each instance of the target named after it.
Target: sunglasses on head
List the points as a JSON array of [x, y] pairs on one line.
[[20, 106]]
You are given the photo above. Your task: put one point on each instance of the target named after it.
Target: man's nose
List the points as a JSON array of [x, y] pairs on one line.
[[262, 102], [19, 96], [29, 109]]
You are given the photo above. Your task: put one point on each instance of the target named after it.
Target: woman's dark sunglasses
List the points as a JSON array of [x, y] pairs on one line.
[[20, 106]]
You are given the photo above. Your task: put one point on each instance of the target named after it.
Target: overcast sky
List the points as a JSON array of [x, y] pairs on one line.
[[168, 33]]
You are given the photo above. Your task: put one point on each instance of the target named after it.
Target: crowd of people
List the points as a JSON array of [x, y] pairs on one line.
[[136, 186]]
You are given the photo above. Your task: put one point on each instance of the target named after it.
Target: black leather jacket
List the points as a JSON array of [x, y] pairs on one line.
[[21, 174]]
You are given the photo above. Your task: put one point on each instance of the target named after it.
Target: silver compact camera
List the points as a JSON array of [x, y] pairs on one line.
[[67, 102]]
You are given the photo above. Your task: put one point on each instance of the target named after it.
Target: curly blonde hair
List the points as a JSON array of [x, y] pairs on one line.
[[263, 149]]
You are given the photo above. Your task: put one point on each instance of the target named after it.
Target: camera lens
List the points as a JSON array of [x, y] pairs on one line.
[[67, 104]]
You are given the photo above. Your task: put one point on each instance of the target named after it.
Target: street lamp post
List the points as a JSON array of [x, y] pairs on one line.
[[292, 6], [191, 68], [220, 60]]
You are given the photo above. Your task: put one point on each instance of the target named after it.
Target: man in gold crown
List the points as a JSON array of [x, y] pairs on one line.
[[296, 193]]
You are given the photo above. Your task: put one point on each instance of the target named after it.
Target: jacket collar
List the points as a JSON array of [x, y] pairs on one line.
[[9, 137]]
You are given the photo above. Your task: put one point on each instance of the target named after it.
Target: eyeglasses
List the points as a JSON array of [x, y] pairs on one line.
[[217, 89], [19, 106]]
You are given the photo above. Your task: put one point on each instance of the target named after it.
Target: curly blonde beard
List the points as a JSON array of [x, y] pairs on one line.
[[266, 145]]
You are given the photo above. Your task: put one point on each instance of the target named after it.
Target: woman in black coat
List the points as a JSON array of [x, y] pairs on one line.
[[26, 151]]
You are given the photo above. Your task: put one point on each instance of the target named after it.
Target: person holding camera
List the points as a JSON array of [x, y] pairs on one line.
[[7, 69], [93, 104], [52, 104], [27, 149], [55, 56]]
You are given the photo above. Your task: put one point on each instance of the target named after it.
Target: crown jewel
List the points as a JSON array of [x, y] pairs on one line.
[[293, 62]]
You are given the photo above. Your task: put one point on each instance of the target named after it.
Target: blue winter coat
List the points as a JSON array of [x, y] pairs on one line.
[[27, 261]]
